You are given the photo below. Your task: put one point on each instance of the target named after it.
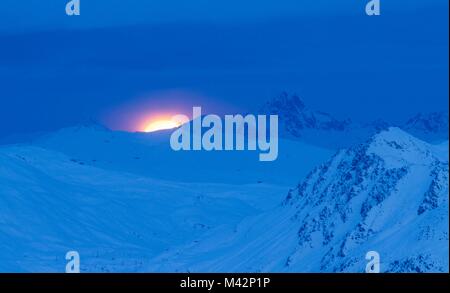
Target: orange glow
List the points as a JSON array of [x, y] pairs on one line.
[[160, 125]]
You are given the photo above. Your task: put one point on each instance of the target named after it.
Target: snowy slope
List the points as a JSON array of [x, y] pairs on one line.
[[50, 204], [388, 195], [149, 154], [95, 191]]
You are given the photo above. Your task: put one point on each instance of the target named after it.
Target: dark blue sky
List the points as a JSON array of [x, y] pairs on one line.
[[57, 71]]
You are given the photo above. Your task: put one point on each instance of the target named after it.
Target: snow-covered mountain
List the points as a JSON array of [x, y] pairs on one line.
[[120, 199], [117, 221], [388, 195], [299, 122], [149, 154], [430, 127], [297, 117], [113, 197]]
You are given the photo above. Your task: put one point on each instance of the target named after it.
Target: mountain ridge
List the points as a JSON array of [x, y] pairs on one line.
[[297, 121], [388, 195]]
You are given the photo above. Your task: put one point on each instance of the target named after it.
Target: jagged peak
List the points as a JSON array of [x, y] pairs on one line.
[[397, 134], [398, 148], [296, 116], [285, 101], [429, 115], [431, 122]]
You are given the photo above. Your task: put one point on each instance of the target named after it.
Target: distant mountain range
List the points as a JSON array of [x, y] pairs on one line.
[[429, 127], [300, 122], [389, 195]]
